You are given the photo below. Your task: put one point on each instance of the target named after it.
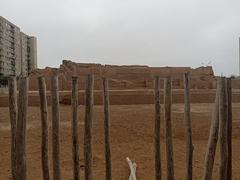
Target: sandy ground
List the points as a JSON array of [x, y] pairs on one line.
[[131, 136]]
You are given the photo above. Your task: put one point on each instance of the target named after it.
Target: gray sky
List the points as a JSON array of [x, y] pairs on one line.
[[151, 32]]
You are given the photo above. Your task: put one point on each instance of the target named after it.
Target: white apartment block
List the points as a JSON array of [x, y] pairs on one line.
[[18, 51]]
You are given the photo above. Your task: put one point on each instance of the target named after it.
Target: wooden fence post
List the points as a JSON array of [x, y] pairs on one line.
[[12, 87], [55, 129], [88, 127], [21, 173], [158, 173], [213, 137], [44, 125], [168, 131], [187, 118], [223, 130], [229, 128], [75, 141], [106, 131]]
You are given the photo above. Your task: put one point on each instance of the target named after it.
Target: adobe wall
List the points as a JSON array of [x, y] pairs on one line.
[[123, 77], [126, 97]]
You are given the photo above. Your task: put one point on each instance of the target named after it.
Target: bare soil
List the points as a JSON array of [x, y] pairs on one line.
[[131, 136]]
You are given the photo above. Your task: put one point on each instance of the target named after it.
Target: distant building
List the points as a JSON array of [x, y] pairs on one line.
[[18, 51]]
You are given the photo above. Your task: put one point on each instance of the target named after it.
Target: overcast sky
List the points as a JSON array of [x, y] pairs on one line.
[[152, 32]]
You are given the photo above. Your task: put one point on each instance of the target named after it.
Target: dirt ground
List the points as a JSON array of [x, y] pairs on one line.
[[131, 136]]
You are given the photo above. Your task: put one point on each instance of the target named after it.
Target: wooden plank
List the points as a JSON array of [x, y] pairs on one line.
[[213, 138], [12, 87], [75, 141], [168, 131], [188, 127], [55, 129], [158, 173], [223, 130], [88, 127], [229, 128], [44, 126], [108, 164], [21, 173]]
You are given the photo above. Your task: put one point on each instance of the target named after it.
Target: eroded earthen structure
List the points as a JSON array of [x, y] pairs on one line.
[[123, 77]]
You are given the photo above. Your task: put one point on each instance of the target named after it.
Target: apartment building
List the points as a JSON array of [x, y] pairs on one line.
[[18, 51], [28, 53]]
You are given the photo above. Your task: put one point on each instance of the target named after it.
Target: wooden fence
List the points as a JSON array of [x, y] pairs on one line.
[[221, 129]]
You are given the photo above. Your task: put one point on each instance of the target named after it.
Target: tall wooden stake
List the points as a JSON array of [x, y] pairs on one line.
[[44, 124], [167, 113], [158, 173], [229, 128], [106, 130], [213, 137], [21, 173], [187, 118], [88, 127], [223, 130], [12, 86], [75, 141], [55, 129]]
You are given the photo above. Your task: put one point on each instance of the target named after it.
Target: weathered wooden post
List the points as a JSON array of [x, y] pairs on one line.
[[106, 131], [223, 129], [75, 141], [213, 137], [55, 129], [229, 128], [158, 173], [168, 131], [88, 127], [44, 125], [187, 118], [12, 87], [21, 173], [133, 168]]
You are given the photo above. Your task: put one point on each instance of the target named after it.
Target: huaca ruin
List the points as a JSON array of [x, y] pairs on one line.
[[123, 77], [128, 84]]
